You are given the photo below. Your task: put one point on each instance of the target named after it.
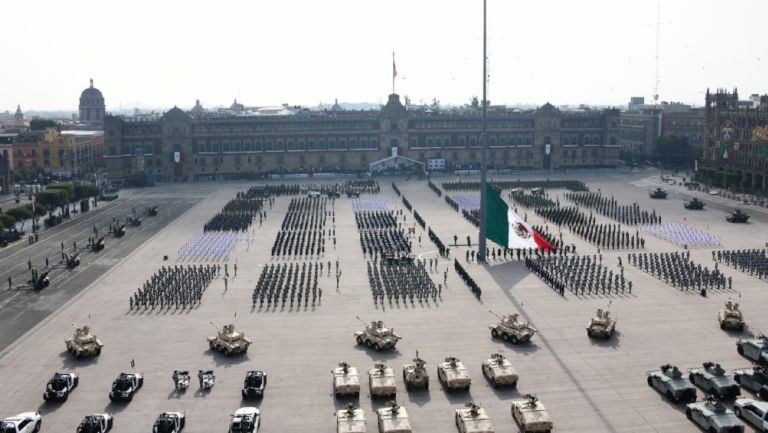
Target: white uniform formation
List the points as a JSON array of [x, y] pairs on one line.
[[213, 246], [370, 203], [681, 234], [467, 201]]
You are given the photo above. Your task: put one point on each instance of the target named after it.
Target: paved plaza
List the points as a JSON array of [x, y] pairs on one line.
[[587, 385]]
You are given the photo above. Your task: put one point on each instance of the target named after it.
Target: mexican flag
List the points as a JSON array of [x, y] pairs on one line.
[[506, 228]]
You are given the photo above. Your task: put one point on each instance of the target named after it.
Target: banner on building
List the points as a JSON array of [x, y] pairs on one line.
[[728, 133], [394, 151], [436, 164], [547, 149], [177, 157], [760, 134]]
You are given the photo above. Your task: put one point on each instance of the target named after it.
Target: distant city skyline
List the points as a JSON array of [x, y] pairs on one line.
[[161, 54]]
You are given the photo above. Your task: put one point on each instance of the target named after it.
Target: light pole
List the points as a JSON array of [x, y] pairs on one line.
[[483, 159]]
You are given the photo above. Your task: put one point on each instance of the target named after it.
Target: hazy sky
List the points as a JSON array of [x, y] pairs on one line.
[[170, 52]]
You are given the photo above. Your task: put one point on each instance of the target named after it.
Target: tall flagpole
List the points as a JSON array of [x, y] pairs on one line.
[[483, 138], [394, 72]]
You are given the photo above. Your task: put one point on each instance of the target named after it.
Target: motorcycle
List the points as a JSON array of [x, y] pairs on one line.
[[181, 380], [207, 379]]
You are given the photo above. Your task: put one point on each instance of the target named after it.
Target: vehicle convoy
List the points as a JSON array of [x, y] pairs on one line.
[[381, 381], [393, 419], [658, 193], [453, 375], [169, 422], [694, 204], [473, 419], [602, 325], [754, 379], [737, 216], [713, 380], [730, 317], [529, 412], [346, 380], [511, 328], [754, 412], [229, 341], [254, 384], [207, 379], [25, 422], [83, 343], [125, 386], [415, 374], [499, 371], [180, 380], [712, 416], [377, 336], [245, 420], [350, 420], [59, 387], [96, 423], [669, 382], [754, 349]]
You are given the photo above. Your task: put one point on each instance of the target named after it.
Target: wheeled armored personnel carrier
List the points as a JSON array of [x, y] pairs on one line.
[[713, 380], [473, 419], [350, 420], [346, 380], [393, 419], [500, 371], [694, 204], [529, 412], [84, 344], [229, 341], [669, 382], [737, 216], [601, 325], [453, 374], [511, 328], [381, 380], [657, 193], [377, 336], [415, 375], [712, 416], [730, 317], [754, 349], [754, 379]]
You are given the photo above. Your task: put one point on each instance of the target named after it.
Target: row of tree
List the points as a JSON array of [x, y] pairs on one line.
[[56, 196]]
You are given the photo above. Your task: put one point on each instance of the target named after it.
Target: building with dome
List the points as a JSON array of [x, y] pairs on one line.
[[92, 107]]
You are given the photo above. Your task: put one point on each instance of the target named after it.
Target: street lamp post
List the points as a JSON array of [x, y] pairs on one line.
[[483, 143]]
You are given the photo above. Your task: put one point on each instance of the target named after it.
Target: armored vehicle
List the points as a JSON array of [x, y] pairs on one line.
[[473, 419], [756, 412], [59, 387], [151, 210], [254, 384], [346, 381], [83, 343], [601, 325], [415, 375], [381, 380], [531, 415], [511, 328], [500, 371], [96, 423], [730, 317], [453, 374], [694, 204], [393, 419], [669, 381], [658, 193], [713, 380], [350, 420], [245, 420], [377, 336], [754, 349], [754, 379], [737, 216], [169, 422], [98, 244], [712, 416], [228, 341], [125, 386]]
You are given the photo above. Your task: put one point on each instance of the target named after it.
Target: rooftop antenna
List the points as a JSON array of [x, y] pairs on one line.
[[658, 31]]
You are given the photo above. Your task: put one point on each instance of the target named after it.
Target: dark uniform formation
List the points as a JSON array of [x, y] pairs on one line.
[[237, 215], [571, 185], [609, 207], [401, 278], [174, 286], [678, 270], [468, 280], [289, 283], [579, 274], [381, 234], [605, 236], [434, 188], [303, 230], [753, 261], [533, 201], [452, 203]]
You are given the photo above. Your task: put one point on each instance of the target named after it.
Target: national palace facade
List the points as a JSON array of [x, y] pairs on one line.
[[197, 143]]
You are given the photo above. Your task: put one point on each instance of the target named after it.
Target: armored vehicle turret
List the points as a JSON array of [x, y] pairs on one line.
[[229, 341], [415, 375], [393, 419], [83, 343], [730, 317], [500, 371], [658, 193], [377, 336], [694, 204], [511, 328], [350, 420], [346, 380], [381, 381], [601, 325], [737, 216], [453, 374]]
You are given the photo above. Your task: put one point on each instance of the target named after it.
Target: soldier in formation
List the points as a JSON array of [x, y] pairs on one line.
[[678, 270], [400, 278], [303, 231], [288, 284], [174, 286], [578, 274], [605, 236], [609, 207], [753, 261], [468, 280]]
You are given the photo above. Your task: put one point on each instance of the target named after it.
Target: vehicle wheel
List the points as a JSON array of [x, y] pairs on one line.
[[740, 350], [737, 378], [211, 345], [77, 382], [426, 386], [670, 396], [141, 382], [692, 378], [712, 430], [368, 343], [493, 383], [98, 351], [494, 333], [38, 425], [650, 381], [456, 420], [359, 339], [689, 414], [505, 336], [513, 384], [183, 421], [109, 423], [737, 411], [227, 352], [111, 397], [514, 339], [376, 346]]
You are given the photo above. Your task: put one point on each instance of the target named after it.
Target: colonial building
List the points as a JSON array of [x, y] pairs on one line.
[[92, 108], [181, 144], [642, 125], [736, 151]]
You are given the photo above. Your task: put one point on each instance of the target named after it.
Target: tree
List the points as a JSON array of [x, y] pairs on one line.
[[41, 124], [53, 198], [7, 221], [474, 103], [21, 214], [673, 151]]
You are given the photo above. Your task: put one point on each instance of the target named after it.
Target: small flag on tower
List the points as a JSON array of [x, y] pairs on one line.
[[394, 68]]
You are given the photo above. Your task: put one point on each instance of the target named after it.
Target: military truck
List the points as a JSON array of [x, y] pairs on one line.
[[730, 317], [229, 341], [754, 349], [350, 419], [658, 193], [377, 336], [84, 344], [694, 204], [737, 216], [453, 375], [381, 380], [712, 379], [529, 412], [415, 375], [511, 328], [754, 379], [712, 416], [601, 325], [499, 371], [473, 419], [393, 419], [346, 380], [669, 381]]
